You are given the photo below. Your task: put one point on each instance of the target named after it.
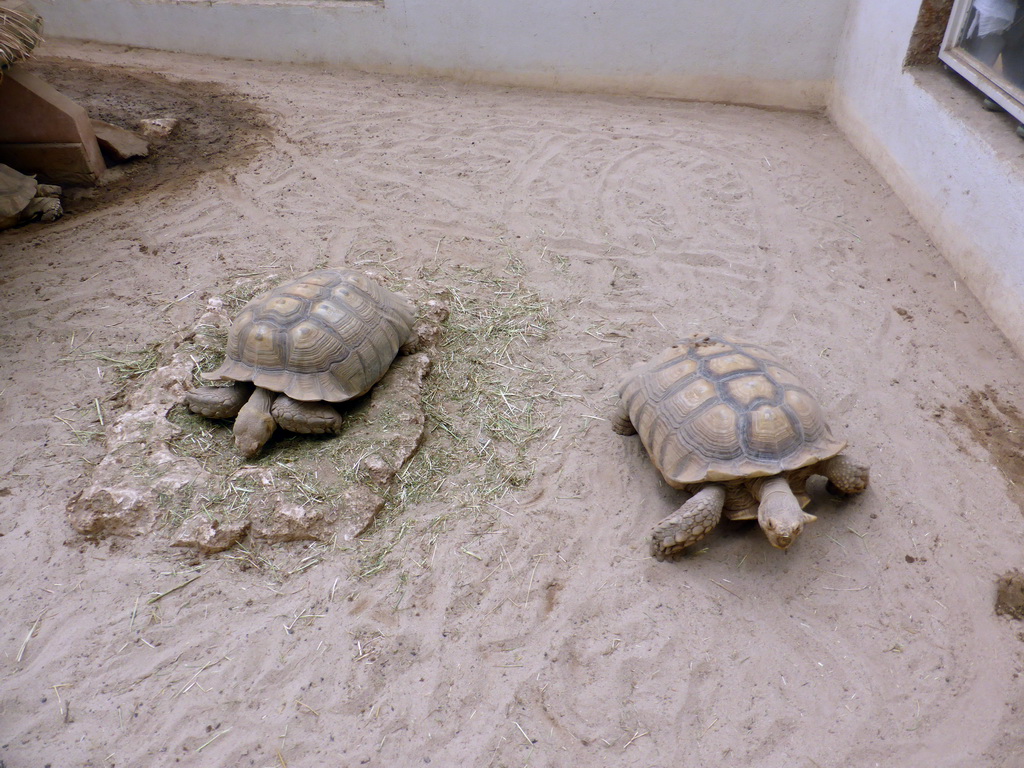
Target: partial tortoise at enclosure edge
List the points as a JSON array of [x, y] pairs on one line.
[[322, 338], [23, 199], [731, 424]]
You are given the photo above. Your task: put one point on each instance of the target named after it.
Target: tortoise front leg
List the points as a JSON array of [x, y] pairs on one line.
[[254, 424], [689, 524], [844, 476]]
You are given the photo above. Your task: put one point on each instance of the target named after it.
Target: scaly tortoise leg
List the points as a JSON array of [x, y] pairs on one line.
[[315, 418], [689, 524], [218, 402], [844, 476]]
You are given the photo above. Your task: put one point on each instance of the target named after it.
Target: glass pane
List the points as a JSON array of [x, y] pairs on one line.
[[994, 35]]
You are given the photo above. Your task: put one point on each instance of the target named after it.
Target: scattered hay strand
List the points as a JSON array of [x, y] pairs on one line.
[[28, 638], [213, 738], [719, 584], [306, 706], [162, 595], [529, 741], [709, 727], [636, 735], [82, 436], [195, 677]]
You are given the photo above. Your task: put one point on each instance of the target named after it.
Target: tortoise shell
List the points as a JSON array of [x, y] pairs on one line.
[[328, 335], [16, 191], [710, 409]]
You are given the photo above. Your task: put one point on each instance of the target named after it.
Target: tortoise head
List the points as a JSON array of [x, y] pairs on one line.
[[784, 530], [254, 424], [780, 514]]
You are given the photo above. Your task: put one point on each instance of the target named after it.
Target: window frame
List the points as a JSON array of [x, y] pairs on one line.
[[984, 78]]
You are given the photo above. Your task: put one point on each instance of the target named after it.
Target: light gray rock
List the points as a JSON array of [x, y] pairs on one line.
[[210, 536]]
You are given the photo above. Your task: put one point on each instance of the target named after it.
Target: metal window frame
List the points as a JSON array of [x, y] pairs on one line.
[[984, 78]]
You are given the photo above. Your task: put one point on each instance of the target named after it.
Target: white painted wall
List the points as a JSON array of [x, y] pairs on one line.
[[960, 170], [778, 53]]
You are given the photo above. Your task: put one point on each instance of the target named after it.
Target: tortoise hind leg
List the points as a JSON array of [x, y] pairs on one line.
[[621, 423], [218, 402], [691, 523], [844, 476], [306, 418]]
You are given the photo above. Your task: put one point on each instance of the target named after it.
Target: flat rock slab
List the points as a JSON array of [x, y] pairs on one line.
[[119, 143], [44, 132]]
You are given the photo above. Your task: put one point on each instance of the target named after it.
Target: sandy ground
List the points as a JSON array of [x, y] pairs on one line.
[[533, 629]]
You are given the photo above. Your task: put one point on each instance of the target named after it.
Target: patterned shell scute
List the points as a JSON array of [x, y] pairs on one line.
[[329, 335], [712, 409]]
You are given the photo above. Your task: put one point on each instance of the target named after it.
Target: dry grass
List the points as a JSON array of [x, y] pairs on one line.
[[83, 424], [19, 35], [129, 366], [484, 389], [87, 422], [481, 403]]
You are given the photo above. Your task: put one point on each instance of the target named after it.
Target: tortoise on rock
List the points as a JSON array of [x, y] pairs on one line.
[[322, 338], [729, 423]]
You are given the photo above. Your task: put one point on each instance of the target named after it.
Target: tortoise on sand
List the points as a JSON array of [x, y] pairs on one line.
[[729, 423], [322, 338]]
